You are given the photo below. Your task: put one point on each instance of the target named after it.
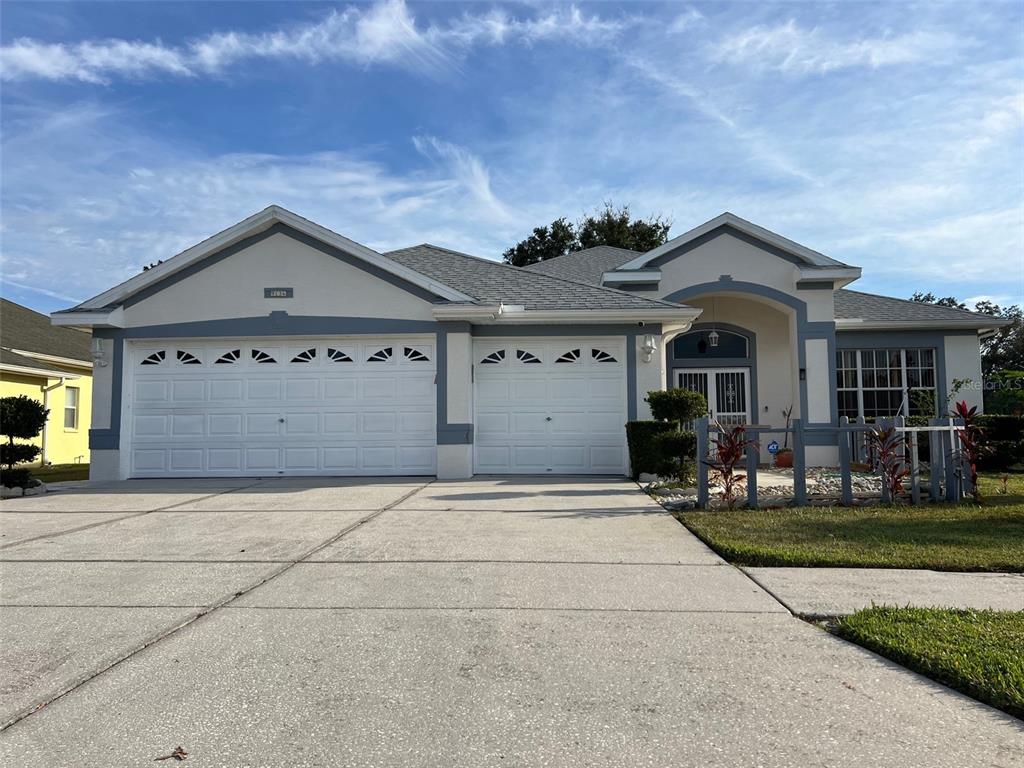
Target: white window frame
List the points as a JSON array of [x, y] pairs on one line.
[[73, 408], [904, 387]]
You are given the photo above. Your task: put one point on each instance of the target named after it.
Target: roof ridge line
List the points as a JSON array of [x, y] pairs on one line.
[[521, 270]]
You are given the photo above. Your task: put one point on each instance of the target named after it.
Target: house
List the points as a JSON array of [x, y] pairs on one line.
[[54, 366], [280, 347]]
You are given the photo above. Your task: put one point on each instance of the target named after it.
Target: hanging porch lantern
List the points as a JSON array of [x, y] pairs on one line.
[[713, 338]]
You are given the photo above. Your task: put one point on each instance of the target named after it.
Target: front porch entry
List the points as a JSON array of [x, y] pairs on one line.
[[727, 391]]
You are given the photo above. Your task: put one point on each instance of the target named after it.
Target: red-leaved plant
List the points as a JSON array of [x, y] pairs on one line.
[[730, 449], [970, 435], [887, 447]]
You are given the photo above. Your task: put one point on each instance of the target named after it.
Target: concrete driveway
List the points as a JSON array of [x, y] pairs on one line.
[[509, 622]]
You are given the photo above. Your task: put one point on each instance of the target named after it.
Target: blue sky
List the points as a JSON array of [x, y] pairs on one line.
[[885, 135]]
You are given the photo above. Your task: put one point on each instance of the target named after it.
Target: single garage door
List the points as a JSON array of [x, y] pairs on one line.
[[272, 407], [554, 405]]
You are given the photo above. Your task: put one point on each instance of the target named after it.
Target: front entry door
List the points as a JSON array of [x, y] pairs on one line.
[[727, 391]]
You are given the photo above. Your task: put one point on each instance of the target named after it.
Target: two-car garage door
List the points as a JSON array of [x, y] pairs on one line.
[[265, 407]]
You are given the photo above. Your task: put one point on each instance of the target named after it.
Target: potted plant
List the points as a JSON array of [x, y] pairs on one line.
[[784, 456]]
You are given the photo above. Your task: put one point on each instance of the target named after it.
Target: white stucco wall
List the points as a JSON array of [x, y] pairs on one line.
[[233, 288], [819, 390], [650, 375], [743, 261], [963, 361]]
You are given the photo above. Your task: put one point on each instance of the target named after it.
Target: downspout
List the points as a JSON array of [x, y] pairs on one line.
[[46, 404]]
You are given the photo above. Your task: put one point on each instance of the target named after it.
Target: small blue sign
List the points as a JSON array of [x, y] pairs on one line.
[[773, 447]]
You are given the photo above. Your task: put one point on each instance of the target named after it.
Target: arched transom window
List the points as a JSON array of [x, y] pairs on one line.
[[697, 345]]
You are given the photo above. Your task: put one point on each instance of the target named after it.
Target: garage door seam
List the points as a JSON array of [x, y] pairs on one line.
[[123, 517]]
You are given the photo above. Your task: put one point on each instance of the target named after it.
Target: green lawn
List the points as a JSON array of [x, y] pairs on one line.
[[975, 652], [56, 473], [946, 537]]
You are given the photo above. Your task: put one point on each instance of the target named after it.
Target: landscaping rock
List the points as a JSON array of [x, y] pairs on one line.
[[10, 493], [37, 490]]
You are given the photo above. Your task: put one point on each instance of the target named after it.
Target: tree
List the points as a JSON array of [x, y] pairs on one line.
[[1004, 349], [929, 298], [609, 226], [545, 243], [21, 418], [615, 227]]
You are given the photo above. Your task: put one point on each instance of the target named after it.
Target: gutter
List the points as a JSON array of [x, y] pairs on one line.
[[44, 440]]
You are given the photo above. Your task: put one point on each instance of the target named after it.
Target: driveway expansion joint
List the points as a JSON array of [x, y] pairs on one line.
[[88, 526], [206, 611]]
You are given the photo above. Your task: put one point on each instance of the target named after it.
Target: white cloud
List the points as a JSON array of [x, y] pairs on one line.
[[385, 33], [80, 216], [792, 49], [468, 170]]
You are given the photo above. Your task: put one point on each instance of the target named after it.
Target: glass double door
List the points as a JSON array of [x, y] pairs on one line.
[[727, 391]]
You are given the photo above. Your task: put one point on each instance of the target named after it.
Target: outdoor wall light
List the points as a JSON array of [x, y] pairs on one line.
[[98, 356], [803, 374], [649, 347], [713, 338]]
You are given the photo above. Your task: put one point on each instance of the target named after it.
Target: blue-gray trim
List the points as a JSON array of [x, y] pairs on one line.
[[455, 434], [301, 237], [906, 339], [279, 323], [805, 330], [591, 329], [110, 438], [750, 361], [730, 230], [104, 440], [815, 285]]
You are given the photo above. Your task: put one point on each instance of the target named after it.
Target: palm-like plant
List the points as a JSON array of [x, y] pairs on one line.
[[887, 449], [970, 435], [730, 449]]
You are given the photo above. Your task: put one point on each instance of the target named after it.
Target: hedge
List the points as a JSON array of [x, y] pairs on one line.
[[643, 454], [678, 452], [680, 405], [1003, 441]]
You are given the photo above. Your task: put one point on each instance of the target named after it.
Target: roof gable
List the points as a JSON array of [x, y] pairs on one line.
[[730, 223], [255, 226]]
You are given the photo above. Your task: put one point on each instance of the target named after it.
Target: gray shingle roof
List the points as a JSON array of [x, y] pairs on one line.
[[493, 282], [585, 266], [25, 329], [591, 264], [872, 308]]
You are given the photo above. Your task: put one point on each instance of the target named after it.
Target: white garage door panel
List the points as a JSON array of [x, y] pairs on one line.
[[554, 405], [316, 406]]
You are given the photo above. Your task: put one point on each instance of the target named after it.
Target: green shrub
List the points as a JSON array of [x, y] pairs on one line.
[[1003, 441], [640, 436], [22, 418], [677, 452], [679, 405], [15, 478]]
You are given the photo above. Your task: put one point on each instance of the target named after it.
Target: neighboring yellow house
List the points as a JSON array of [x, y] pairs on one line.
[[54, 366]]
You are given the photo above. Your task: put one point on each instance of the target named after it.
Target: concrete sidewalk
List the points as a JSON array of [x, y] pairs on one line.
[[825, 592]]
